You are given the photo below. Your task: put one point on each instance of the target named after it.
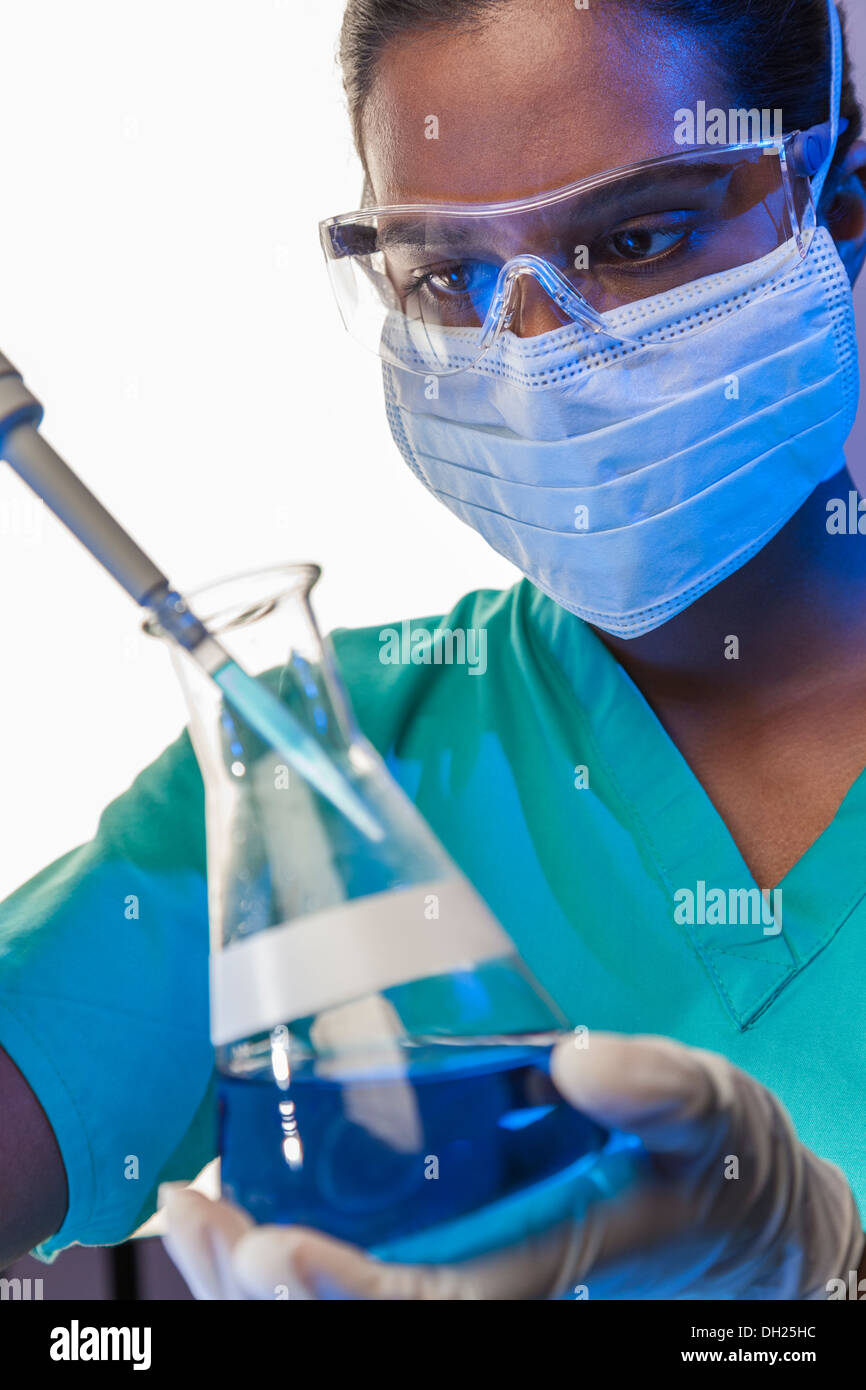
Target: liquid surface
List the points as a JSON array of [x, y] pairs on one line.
[[374, 1159]]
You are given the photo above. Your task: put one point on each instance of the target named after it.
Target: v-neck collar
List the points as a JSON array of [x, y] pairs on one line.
[[687, 839]]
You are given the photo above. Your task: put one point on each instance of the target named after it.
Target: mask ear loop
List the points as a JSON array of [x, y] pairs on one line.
[[835, 99]]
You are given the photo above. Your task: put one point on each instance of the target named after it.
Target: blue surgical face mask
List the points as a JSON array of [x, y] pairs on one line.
[[625, 486], [625, 482]]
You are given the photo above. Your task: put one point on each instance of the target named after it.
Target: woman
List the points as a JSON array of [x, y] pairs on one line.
[[669, 720]]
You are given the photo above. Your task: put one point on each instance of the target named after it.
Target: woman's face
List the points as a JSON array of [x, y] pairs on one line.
[[539, 97]]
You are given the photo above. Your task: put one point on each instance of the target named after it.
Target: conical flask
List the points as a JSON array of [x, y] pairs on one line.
[[382, 1050]]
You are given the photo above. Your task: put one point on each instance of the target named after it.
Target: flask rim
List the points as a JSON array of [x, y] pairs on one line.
[[221, 613]]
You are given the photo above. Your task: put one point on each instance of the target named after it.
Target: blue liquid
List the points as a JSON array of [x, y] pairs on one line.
[[377, 1159]]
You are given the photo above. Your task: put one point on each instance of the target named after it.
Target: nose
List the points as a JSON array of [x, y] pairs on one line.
[[531, 309]]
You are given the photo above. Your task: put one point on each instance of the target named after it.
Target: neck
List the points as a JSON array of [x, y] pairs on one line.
[[797, 608]]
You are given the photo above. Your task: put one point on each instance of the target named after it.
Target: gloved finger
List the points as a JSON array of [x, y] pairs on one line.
[[673, 1097], [222, 1254], [311, 1265], [644, 1239], [609, 1248], [200, 1237]]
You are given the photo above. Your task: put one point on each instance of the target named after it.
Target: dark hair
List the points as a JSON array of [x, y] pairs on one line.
[[775, 52]]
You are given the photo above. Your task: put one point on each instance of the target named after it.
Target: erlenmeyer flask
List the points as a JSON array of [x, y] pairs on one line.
[[382, 1050]]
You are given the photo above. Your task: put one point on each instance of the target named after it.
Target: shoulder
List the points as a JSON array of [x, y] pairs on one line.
[[390, 644], [493, 644], [396, 668]]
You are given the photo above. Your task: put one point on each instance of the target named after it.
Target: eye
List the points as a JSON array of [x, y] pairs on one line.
[[642, 243], [457, 278]]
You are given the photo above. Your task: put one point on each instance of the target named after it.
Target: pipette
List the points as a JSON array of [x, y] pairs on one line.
[[63, 492]]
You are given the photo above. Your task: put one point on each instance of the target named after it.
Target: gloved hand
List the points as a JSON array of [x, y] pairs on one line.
[[732, 1206]]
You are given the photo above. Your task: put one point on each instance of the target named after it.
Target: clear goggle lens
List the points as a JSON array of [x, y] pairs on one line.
[[431, 287]]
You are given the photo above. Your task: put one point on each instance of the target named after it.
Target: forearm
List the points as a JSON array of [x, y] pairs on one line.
[[33, 1192]]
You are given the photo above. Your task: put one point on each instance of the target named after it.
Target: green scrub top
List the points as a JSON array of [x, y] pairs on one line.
[[554, 786]]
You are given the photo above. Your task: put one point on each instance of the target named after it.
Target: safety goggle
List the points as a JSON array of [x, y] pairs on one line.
[[427, 286]]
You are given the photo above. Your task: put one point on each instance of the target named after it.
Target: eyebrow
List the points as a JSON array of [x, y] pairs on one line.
[[455, 229], [418, 232]]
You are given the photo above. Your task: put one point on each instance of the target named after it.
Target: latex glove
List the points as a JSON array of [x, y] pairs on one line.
[[781, 1229]]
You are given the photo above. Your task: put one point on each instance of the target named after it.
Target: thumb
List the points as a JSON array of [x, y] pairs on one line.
[[669, 1095]]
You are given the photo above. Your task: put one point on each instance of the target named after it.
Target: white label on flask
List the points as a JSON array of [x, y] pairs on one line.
[[348, 951]]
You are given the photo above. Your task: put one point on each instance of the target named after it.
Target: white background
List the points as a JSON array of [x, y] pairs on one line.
[[165, 163]]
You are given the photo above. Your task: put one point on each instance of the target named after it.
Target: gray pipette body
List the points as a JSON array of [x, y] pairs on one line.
[[42, 468]]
